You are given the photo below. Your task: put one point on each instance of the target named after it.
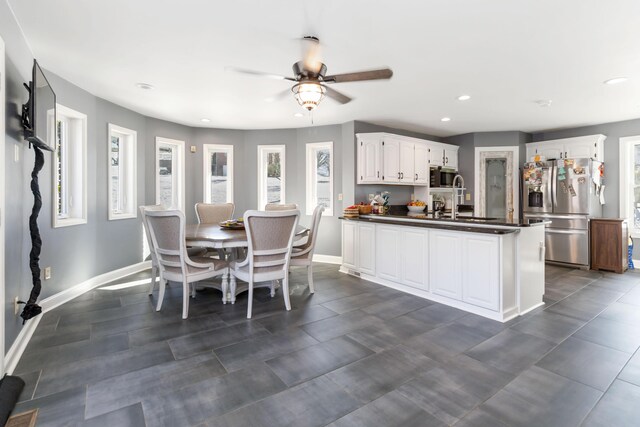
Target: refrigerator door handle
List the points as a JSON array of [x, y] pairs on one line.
[[553, 188]]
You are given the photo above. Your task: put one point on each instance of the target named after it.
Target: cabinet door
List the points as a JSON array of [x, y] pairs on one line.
[[387, 252], [436, 155], [414, 255], [390, 160], [551, 151], [369, 161], [421, 164], [349, 242], [407, 162], [581, 150], [366, 253], [445, 274], [451, 158], [481, 271]]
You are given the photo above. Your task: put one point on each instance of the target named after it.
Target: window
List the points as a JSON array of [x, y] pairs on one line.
[[122, 172], [271, 174], [70, 168], [218, 173], [170, 173], [630, 182], [320, 177]]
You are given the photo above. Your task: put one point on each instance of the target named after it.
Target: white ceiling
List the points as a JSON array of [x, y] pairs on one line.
[[506, 54]]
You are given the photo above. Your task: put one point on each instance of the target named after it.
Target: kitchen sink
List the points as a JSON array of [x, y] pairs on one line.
[[471, 218]]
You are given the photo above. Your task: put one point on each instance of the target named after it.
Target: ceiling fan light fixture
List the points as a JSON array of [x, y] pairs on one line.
[[308, 94]]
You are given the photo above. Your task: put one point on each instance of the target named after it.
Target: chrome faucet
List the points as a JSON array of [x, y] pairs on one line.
[[454, 195]]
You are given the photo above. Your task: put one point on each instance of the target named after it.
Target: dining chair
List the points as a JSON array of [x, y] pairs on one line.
[[269, 239], [303, 256], [154, 261], [167, 230], [280, 206], [214, 213]]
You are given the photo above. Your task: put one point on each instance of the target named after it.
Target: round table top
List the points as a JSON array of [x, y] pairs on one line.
[[212, 235]]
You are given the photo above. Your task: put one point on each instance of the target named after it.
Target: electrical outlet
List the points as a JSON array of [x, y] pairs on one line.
[[16, 306], [47, 273], [467, 197], [340, 196], [193, 148]]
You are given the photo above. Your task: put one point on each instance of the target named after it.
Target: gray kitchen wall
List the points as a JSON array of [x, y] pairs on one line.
[[399, 194]]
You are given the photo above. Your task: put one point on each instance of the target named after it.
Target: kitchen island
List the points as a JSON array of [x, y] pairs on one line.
[[493, 268]]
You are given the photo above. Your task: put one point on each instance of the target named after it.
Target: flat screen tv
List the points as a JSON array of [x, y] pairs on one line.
[[40, 111]]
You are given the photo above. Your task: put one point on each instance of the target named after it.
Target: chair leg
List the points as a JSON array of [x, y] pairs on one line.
[[185, 299], [250, 301], [154, 272], [285, 292], [193, 290], [163, 284], [273, 288], [310, 278]]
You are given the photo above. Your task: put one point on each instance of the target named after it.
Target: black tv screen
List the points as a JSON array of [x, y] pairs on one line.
[[43, 111]]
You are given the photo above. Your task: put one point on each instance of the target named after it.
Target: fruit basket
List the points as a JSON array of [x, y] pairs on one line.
[[364, 209]]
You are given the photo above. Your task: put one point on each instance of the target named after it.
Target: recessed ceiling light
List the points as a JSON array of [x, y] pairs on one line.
[[270, 99], [615, 80], [205, 120], [445, 119], [464, 97], [145, 86], [544, 102], [298, 115]]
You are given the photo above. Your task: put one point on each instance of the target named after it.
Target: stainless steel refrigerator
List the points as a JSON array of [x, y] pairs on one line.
[[565, 192]]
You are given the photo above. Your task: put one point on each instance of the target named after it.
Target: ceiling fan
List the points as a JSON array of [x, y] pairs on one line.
[[311, 77]]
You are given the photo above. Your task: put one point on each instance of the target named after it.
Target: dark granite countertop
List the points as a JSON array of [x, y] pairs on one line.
[[473, 225]]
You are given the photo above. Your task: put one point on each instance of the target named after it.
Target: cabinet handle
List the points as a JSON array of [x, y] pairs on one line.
[[398, 175], [446, 160], [401, 175], [416, 177], [378, 174], [565, 154]]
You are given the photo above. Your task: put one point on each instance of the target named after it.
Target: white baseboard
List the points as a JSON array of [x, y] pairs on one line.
[[12, 357], [17, 348], [327, 259]]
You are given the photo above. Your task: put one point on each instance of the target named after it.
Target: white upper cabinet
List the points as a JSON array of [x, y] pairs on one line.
[[369, 160], [390, 160], [591, 147], [407, 160], [421, 164], [451, 157], [394, 159]]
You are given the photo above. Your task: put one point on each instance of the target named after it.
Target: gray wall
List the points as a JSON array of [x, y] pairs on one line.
[[399, 194]]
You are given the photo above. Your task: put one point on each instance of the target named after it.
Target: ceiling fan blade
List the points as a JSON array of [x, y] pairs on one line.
[[338, 96], [258, 73], [384, 73]]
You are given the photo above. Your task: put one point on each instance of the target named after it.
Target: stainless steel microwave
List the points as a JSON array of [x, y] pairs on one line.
[[442, 177]]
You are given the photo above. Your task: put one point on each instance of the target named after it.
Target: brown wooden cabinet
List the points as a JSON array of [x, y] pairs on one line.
[[609, 242]]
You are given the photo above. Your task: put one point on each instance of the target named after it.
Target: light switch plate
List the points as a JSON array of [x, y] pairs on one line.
[[340, 196], [467, 196], [193, 148]]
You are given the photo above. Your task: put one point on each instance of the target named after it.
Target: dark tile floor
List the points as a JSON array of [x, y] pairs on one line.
[[355, 353]]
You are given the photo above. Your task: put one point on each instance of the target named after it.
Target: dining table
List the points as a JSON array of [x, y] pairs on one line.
[[214, 236]]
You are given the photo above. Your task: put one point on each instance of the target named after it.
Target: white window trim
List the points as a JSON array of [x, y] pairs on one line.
[[181, 164], [262, 150], [626, 181], [206, 170], [128, 186], [73, 220], [312, 197]]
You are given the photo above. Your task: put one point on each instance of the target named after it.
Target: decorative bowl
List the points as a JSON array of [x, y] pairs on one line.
[[416, 208]]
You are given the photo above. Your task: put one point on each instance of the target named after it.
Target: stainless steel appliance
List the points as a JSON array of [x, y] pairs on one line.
[[564, 193], [442, 177]]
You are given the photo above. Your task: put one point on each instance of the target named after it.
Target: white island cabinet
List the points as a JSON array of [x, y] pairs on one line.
[[496, 271]]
